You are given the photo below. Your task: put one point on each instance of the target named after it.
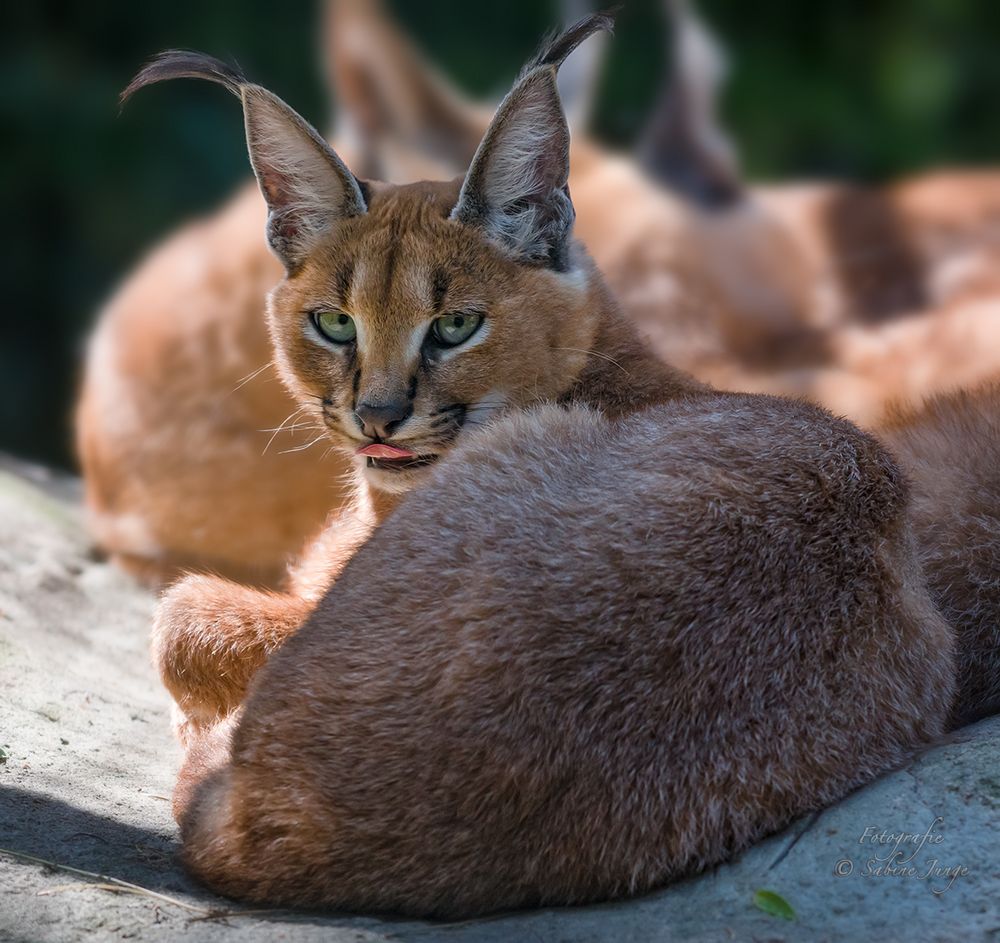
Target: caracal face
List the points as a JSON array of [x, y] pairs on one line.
[[406, 329], [410, 314]]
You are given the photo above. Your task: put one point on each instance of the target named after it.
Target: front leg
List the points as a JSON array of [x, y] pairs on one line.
[[344, 533], [206, 751], [210, 637]]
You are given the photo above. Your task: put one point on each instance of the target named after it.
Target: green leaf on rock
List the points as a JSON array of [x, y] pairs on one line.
[[773, 904]]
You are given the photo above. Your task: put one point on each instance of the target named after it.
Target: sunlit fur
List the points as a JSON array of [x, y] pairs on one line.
[[619, 632], [401, 265], [180, 364], [589, 657], [548, 336], [394, 258], [769, 295]]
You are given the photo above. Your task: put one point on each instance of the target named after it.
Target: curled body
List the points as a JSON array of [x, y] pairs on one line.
[[605, 627], [631, 648]]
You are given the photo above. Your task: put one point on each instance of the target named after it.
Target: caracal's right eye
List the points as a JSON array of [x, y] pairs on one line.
[[335, 326]]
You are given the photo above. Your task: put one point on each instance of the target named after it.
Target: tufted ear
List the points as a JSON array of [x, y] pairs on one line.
[[516, 189], [684, 145], [306, 186], [579, 75], [405, 118]]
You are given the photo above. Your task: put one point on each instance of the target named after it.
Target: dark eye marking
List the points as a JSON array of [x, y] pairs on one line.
[[342, 282], [449, 415], [439, 288]]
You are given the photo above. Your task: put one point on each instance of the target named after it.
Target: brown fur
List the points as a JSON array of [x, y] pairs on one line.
[[632, 648], [542, 335], [951, 450], [550, 335], [758, 297], [609, 641]]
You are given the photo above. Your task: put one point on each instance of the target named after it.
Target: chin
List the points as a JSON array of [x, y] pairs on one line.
[[395, 481]]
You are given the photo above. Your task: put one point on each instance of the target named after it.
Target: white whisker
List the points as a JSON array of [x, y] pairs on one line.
[[288, 419], [291, 428], [594, 353], [308, 445], [251, 376]]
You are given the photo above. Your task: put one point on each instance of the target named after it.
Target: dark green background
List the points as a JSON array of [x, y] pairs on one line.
[[860, 88]]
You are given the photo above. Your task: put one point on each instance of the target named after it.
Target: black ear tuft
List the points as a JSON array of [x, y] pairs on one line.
[[184, 64], [559, 45], [516, 190], [306, 186], [580, 73]]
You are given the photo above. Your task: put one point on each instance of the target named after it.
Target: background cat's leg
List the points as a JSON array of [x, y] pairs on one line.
[[210, 637]]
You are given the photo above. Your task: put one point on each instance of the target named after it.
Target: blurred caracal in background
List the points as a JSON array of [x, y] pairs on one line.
[[800, 289]]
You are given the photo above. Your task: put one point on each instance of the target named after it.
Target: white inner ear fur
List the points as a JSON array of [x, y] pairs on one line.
[[518, 155], [516, 169], [299, 175], [515, 186]]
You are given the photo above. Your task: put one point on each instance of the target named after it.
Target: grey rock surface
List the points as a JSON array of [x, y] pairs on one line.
[[88, 765]]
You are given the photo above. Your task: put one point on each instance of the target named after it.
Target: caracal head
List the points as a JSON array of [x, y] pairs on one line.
[[412, 314]]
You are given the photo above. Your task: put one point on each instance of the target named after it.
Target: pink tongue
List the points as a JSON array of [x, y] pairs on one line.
[[385, 451]]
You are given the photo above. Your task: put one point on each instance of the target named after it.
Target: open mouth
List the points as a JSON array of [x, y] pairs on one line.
[[400, 464], [393, 458]]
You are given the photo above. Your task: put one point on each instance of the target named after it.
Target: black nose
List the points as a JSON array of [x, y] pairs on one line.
[[380, 420]]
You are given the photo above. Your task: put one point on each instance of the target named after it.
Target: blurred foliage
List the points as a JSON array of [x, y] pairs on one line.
[[861, 88]]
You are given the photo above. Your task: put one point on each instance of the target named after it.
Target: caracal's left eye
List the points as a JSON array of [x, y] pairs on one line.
[[453, 329], [336, 325]]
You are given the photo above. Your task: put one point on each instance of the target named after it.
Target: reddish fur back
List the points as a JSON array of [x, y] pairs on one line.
[[630, 649], [593, 651], [761, 298]]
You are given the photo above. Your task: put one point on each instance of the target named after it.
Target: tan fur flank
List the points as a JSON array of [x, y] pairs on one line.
[[180, 364]]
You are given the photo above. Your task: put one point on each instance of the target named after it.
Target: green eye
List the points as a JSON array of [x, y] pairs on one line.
[[453, 329], [336, 326]]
